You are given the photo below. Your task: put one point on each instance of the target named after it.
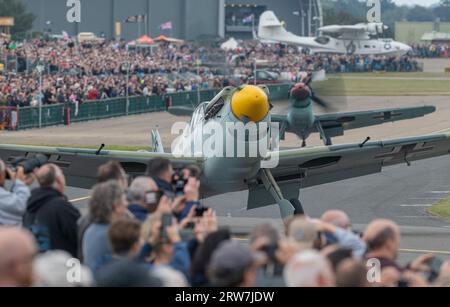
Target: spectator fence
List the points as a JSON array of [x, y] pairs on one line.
[[64, 114]]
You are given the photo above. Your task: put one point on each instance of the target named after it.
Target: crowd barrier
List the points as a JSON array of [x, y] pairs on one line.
[[64, 114]]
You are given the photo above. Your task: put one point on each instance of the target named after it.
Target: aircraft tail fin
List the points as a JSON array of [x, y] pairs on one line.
[[156, 142], [270, 26]]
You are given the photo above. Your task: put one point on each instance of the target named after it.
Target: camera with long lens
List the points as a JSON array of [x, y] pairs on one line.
[[179, 182], [28, 164]]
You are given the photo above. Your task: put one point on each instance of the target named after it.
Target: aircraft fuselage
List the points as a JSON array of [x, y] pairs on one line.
[[301, 118], [220, 137], [327, 44]]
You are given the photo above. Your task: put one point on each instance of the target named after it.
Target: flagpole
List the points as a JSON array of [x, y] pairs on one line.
[[146, 24], [253, 24]]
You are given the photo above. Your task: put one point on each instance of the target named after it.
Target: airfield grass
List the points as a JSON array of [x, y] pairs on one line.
[[383, 74], [441, 209], [385, 84], [107, 147]]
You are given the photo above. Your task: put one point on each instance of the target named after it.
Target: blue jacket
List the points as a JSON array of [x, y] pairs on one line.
[[138, 212], [164, 185], [96, 245], [13, 204], [181, 260]]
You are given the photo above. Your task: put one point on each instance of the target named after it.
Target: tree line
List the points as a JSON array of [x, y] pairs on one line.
[[355, 11]]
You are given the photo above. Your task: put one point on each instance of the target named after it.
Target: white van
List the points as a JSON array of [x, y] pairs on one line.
[[88, 38]]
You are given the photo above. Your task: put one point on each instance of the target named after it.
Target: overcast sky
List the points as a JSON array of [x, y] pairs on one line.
[[415, 2]]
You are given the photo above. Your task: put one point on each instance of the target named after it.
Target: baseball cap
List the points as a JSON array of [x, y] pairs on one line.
[[231, 255]]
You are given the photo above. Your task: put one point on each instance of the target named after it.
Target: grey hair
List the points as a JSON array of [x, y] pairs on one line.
[[103, 199], [48, 175], [265, 230], [138, 188]]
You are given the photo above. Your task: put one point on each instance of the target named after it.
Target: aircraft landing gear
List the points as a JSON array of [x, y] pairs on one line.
[[286, 207], [304, 143], [325, 138], [298, 207]]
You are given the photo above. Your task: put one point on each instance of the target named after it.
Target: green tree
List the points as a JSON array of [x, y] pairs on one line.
[[23, 19], [420, 13], [355, 11], [331, 17], [443, 10], [343, 12]]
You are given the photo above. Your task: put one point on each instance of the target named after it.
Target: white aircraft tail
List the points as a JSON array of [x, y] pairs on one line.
[[270, 27], [156, 142]]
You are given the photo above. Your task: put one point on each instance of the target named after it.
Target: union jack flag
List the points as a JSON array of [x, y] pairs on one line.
[[249, 19], [166, 26]]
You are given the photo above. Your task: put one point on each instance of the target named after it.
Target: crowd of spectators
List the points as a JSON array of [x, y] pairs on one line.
[[76, 74], [156, 232], [294, 60], [431, 50]]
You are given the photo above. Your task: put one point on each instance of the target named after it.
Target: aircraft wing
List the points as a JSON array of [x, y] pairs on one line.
[[80, 165], [284, 126], [306, 167], [356, 31], [335, 124], [360, 28], [181, 111], [279, 118]]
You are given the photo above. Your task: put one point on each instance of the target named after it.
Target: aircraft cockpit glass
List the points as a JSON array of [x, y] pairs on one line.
[[323, 40], [198, 115], [214, 109]]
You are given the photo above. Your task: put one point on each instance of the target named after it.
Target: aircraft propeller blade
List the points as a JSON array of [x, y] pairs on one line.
[[322, 103]]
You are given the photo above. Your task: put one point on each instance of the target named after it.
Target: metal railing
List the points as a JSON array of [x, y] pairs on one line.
[[64, 114]]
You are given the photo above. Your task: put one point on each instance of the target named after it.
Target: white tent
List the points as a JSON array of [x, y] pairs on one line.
[[230, 44]]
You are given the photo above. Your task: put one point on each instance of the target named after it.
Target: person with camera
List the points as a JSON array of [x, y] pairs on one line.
[[265, 243], [183, 186], [49, 215], [161, 171], [13, 202], [144, 197], [383, 244], [172, 243], [336, 225], [161, 233]]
